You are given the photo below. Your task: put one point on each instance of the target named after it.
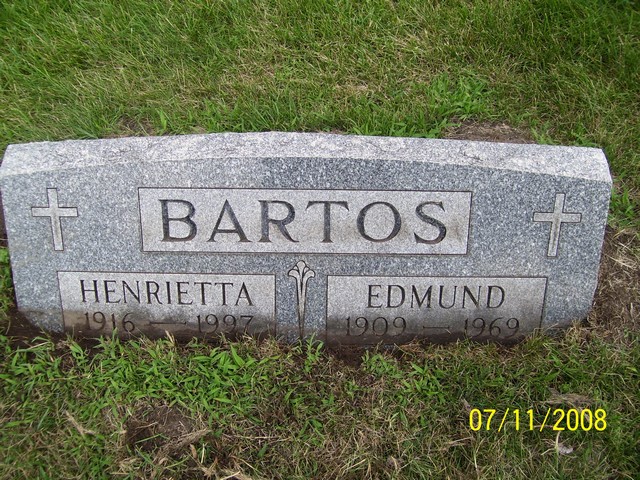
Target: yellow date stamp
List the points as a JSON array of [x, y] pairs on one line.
[[558, 419]]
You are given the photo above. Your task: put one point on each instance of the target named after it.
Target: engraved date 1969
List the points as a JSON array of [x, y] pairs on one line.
[[500, 327]]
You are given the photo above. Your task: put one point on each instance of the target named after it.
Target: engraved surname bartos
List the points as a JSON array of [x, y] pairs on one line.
[[216, 225], [304, 221], [363, 309], [95, 303]]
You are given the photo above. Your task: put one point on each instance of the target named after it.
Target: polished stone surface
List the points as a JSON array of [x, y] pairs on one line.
[[318, 227]]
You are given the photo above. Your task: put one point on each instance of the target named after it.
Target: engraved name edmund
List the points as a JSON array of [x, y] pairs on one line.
[[99, 302], [395, 309], [304, 221]]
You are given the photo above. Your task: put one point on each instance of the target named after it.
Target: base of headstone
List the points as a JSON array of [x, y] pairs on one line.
[[352, 240]]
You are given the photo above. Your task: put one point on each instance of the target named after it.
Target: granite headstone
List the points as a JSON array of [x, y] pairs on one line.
[[351, 239]]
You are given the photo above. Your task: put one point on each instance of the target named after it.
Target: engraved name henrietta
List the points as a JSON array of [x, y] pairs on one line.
[[149, 292]]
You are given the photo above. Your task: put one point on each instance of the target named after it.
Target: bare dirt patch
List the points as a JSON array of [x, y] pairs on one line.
[[616, 308], [160, 429], [166, 432], [148, 429], [16, 326], [131, 127]]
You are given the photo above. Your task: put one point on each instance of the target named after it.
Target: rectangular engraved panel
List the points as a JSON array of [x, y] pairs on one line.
[[392, 222], [94, 303], [367, 310]]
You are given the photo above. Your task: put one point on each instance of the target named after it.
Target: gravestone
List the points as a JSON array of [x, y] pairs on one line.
[[351, 239]]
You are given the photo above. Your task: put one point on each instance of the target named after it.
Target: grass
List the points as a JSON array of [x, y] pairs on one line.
[[267, 410], [562, 72], [565, 70]]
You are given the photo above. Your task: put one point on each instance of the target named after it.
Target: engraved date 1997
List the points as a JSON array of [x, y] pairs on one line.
[[224, 323], [127, 322]]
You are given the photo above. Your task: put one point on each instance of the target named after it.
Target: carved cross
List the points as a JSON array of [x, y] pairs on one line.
[[55, 212], [556, 218]]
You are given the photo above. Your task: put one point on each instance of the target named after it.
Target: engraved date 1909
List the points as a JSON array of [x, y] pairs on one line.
[[500, 327], [379, 326]]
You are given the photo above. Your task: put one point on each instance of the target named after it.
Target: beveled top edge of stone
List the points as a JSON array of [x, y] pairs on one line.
[[579, 162]]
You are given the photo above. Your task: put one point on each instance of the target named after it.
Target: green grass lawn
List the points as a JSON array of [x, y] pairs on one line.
[[265, 410], [557, 71]]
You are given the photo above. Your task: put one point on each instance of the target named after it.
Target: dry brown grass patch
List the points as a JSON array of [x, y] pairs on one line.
[[617, 301], [488, 132]]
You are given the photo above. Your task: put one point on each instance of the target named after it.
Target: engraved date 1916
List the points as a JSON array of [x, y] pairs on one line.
[[101, 321], [211, 323]]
